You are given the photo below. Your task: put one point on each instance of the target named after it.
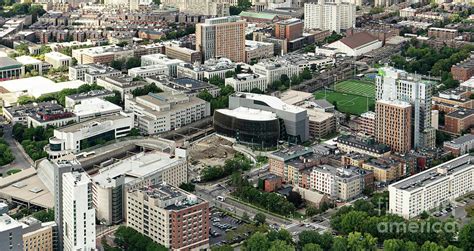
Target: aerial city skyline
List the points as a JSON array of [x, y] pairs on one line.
[[223, 125]]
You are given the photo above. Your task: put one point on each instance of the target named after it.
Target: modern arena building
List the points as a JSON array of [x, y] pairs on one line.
[[261, 120]]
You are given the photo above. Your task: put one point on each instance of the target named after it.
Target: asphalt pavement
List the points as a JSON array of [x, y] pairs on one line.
[[233, 206]]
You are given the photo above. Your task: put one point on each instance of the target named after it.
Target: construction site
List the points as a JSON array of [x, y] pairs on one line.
[[210, 151]]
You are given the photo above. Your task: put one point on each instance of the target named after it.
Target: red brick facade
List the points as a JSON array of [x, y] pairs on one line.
[[190, 227]]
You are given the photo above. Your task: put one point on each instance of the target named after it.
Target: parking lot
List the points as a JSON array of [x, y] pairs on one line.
[[295, 229], [221, 224], [457, 209]]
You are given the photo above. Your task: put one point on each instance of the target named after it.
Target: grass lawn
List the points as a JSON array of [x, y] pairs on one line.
[[356, 87], [346, 103], [13, 171]]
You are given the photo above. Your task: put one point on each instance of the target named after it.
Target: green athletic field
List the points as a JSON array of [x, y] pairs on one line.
[[356, 87], [346, 103]]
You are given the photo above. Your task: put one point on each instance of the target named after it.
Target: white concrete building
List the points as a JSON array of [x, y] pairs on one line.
[[124, 84], [90, 72], [190, 87], [94, 107], [255, 50], [162, 112], [408, 12], [341, 183], [34, 86], [78, 212], [10, 68], [74, 99], [431, 188], [142, 169], [160, 59], [246, 82], [210, 68], [357, 44], [10, 234], [77, 137], [273, 70], [57, 59], [332, 16], [101, 54], [150, 70], [29, 61]]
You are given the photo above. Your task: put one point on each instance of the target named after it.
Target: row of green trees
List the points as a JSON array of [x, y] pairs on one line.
[[44, 215], [368, 217], [129, 239], [125, 64], [313, 241], [269, 201], [242, 5], [6, 156], [33, 140], [238, 163], [150, 88], [220, 101], [21, 9], [420, 58], [284, 82], [60, 97]]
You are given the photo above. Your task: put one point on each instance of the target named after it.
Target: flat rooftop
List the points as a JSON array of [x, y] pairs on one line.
[[90, 94], [292, 152], [57, 55], [365, 145], [315, 115], [109, 49], [95, 106], [436, 173], [7, 223], [249, 114], [37, 86], [169, 197], [271, 101], [211, 65], [88, 123], [293, 97], [137, 166], [29, 109], [96, 69], [467, 63], [192, 84], [123, 81], [461, 140], [28, 188], [461, 113], [342, 172], [28, 60]]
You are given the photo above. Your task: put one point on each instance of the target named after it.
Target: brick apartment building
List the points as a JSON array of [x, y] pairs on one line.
[[442, 33], [170, 216], [393, 125], [464, 70], [458, 121], [290, 29]]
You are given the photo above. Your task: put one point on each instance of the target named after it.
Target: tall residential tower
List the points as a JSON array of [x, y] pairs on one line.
[[221, 37], [393, 84], [329, 15], [78, 212]]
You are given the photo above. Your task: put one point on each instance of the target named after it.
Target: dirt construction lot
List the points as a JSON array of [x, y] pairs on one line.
[[211, 151]]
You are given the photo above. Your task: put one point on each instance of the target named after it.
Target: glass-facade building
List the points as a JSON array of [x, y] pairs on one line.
[[260, 132]]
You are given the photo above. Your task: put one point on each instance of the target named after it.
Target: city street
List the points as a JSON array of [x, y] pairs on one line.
[[233, 206]]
